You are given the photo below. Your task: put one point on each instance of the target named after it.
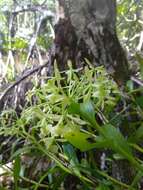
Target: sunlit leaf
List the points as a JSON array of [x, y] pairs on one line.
[[80, 140]]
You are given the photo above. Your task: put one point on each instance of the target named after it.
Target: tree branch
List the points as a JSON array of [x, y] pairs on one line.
[[138, 81], [21, 79]]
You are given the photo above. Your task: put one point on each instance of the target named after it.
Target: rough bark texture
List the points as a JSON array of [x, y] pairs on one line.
[[88, 30]]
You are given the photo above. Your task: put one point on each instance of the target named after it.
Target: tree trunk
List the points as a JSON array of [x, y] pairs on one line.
[[87, 29]]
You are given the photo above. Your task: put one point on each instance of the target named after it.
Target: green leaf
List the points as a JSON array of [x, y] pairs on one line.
[[74, 108], [112, 138], [137, 136], [70, 152], [80, 140], [102, 187], [130, 85], [139, 101], [85, 110], [140, 60], [16, 173], [71, 155]]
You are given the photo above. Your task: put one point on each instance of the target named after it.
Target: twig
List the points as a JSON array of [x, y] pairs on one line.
[[33, 40], [21, 79], [138, 81], [32, 9]]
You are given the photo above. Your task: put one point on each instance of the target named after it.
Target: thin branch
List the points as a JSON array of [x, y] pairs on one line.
[[33, 8], [44, 2], [34, 39], [21, 79], [138, 81]]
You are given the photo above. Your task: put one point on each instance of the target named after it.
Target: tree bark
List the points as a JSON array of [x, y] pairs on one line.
[[87, 29]]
